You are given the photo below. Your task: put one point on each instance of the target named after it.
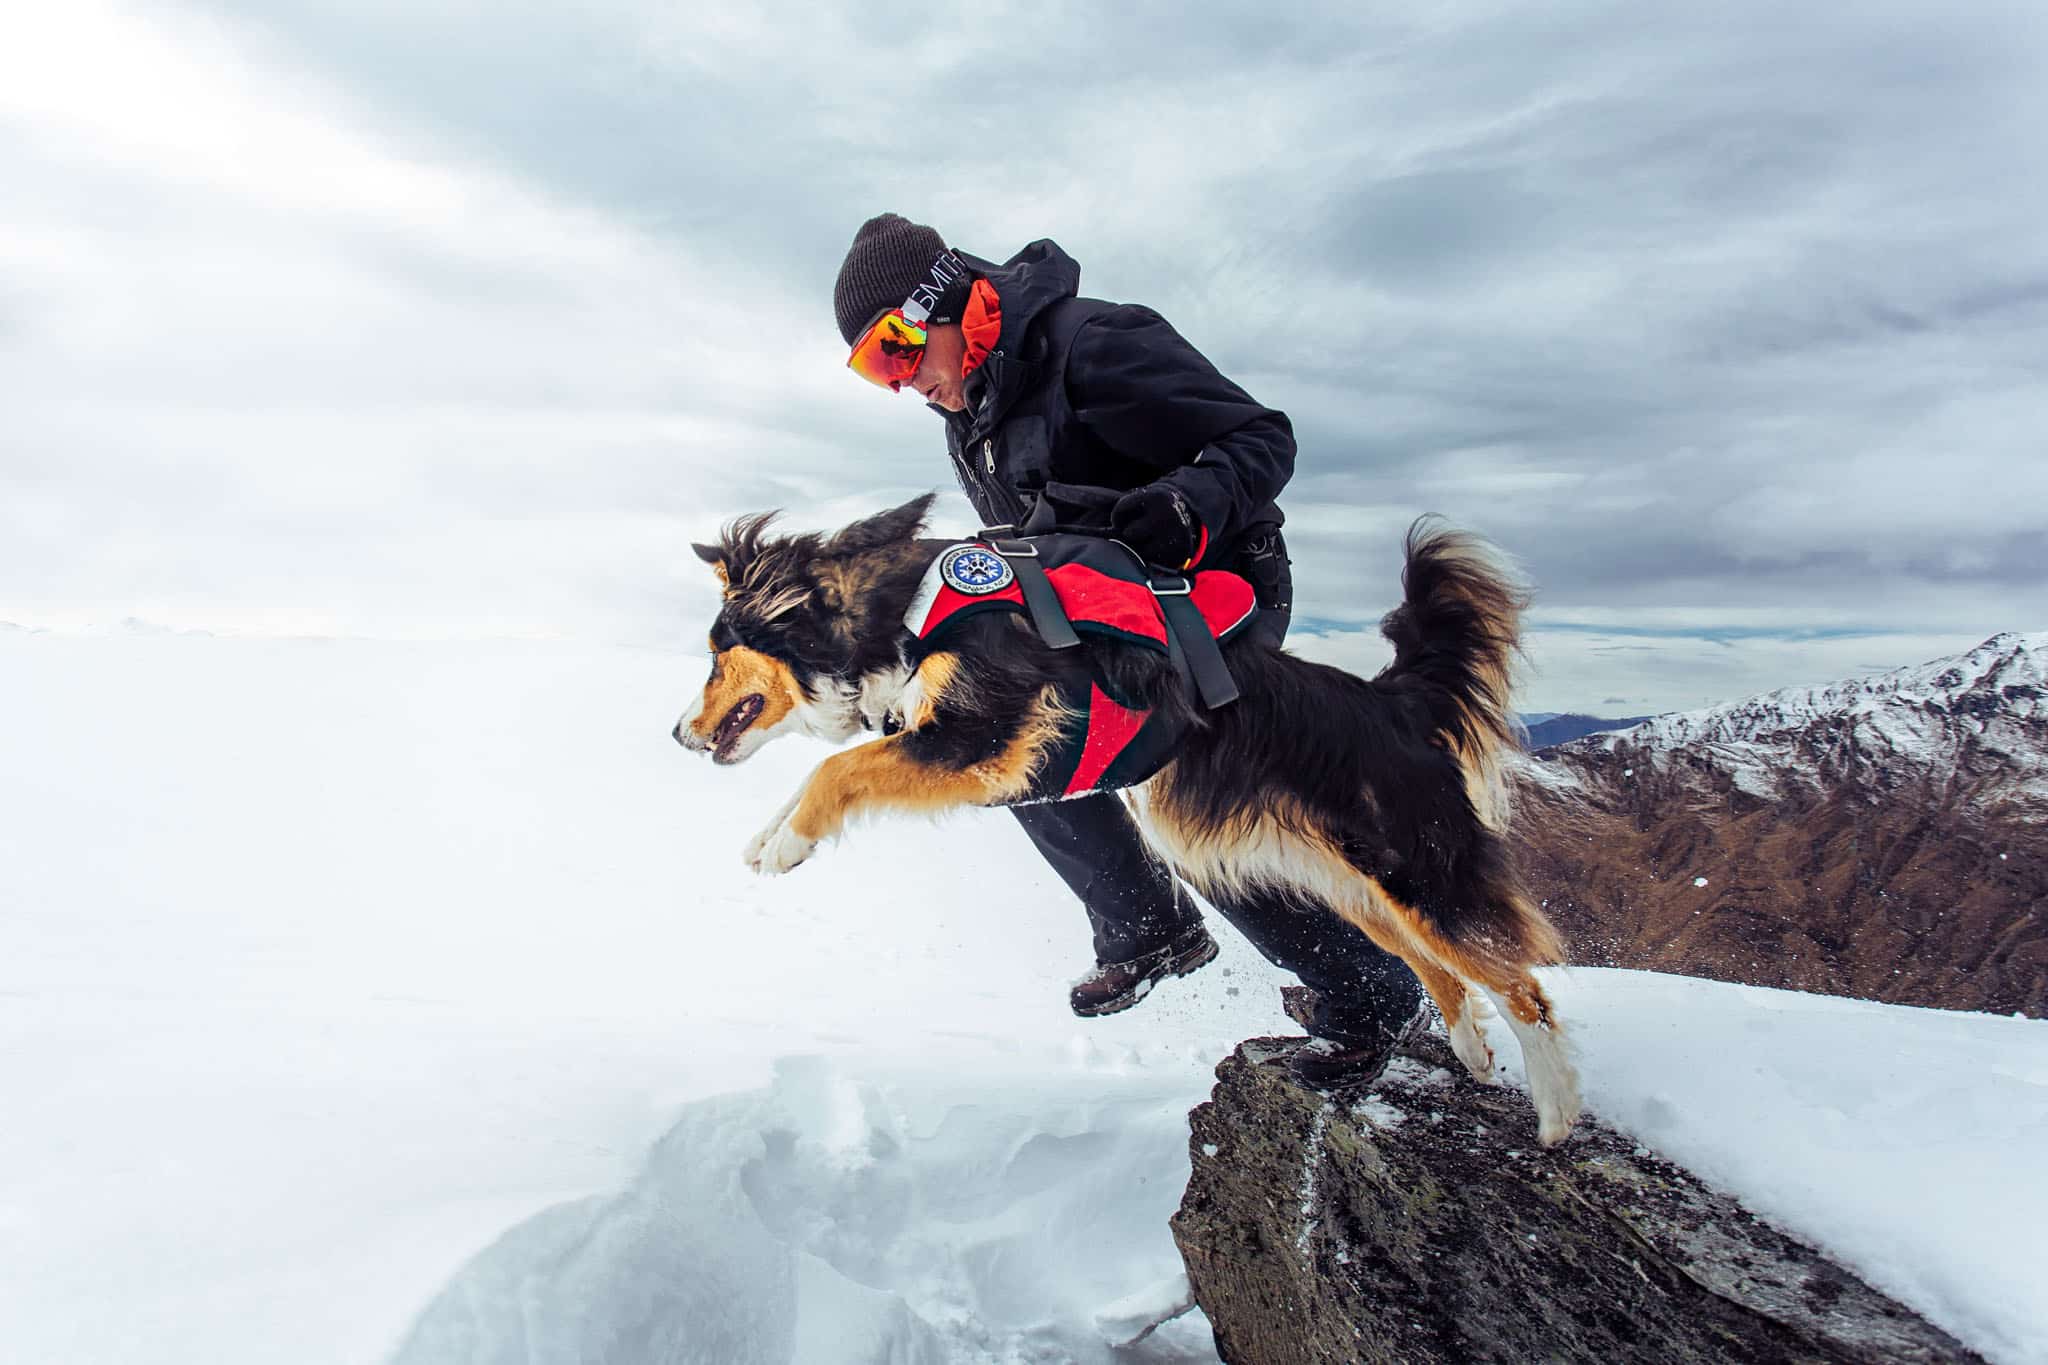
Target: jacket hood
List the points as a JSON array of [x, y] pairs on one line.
[[1027, 284]]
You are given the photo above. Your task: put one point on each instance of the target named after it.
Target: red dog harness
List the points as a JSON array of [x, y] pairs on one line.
[[1105, 593]]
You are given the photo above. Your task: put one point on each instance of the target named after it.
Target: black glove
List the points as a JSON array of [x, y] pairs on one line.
[[1158, 523]]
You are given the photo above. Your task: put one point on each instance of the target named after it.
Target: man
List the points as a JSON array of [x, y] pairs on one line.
[[1075, 412]]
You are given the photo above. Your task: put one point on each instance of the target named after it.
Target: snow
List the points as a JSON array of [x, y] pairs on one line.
[[1137, 1315], [1015, 1213], [1907, 1142], [408, 1001], [1556, 776], [1311, 1172]]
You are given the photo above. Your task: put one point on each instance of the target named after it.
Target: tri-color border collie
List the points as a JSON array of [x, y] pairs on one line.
[[1379, 798]]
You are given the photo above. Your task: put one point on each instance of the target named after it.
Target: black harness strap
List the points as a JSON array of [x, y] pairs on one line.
[[1040, 600], [1192, 646], [1189, 642]]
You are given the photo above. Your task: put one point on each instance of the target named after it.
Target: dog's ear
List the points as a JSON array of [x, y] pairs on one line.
[[715, 557], [892, 527]]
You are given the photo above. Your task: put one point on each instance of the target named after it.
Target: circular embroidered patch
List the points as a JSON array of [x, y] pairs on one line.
[[975, 569]]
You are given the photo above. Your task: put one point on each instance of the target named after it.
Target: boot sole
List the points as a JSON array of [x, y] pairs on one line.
[[1191, 961]]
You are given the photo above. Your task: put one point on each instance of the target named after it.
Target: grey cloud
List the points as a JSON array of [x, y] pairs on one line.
[[1418, 232], [1734, 310]]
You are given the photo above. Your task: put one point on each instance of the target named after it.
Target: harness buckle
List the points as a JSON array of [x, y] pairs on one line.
[[1014, 549], [1186, 586]]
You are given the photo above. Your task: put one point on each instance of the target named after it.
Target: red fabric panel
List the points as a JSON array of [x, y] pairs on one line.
[[950, 600], [1110, 728], [1091, 596], [1224, 599]]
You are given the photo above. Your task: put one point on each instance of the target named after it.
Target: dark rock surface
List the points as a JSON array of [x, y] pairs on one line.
[[1421, 1222]]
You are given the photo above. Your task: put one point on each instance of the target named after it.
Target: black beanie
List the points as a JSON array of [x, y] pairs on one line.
[[890, 257]]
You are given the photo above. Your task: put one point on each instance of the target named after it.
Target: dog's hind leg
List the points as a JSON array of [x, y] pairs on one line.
[[1514, 990], [1455, 1004], [1361, 903], [1376, 918], [1553, 1081]]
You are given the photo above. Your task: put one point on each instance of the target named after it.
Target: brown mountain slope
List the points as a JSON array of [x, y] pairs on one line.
[[1886, 838]]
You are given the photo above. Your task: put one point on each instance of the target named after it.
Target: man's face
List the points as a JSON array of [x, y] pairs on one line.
[[938, 377]]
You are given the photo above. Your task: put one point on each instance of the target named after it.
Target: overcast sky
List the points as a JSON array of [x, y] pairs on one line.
[[404, 319]]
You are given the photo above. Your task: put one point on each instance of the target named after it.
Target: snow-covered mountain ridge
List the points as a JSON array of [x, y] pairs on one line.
[[1980, 716]]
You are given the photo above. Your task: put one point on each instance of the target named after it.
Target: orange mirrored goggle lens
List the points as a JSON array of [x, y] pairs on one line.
[[889, 351]]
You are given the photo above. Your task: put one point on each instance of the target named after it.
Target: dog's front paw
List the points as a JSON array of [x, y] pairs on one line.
[[777, 849], [751, 855]]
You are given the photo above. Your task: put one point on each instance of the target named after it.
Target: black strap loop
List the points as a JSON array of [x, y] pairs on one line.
[[1192, 646], [1040, 600], [1189, 642]]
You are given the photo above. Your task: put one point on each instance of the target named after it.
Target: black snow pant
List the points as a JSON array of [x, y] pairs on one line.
[[1134, 904]]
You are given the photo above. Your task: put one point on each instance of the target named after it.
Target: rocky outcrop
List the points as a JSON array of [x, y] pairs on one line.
[[1885, 837], [1422, 1223]]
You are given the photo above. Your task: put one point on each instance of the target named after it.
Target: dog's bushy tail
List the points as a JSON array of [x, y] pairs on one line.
[[1458, 628]]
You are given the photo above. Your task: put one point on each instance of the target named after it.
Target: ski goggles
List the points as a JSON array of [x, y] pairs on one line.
[[890, 350], [891, 347]]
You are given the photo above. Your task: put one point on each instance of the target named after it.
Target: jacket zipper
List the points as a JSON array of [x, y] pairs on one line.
[[964, 461], [1009, 507], [1002, 499]]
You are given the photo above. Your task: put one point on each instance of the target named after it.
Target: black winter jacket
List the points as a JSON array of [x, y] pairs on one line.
[[1082, 400]]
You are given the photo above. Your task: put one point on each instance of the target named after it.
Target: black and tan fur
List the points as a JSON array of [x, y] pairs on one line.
[[1379, 798]]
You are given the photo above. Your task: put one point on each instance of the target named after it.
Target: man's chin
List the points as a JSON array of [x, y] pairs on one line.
[[952, 400]]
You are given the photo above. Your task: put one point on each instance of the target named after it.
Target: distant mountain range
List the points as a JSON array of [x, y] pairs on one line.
[[1885, 837], [1546, 728]]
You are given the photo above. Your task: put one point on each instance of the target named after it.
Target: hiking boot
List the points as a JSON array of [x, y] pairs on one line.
[[1328, 1064], [1116, 986]]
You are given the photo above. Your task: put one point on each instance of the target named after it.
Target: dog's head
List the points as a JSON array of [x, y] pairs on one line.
[[793, 637]]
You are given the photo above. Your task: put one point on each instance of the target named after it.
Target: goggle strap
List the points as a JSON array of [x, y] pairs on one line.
[[947, 269]]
